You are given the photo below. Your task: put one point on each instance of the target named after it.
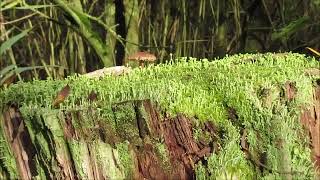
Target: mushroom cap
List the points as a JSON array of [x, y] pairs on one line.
[[143, 56]]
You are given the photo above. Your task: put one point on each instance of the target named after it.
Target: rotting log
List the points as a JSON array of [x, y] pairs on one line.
[[146, 127], [183, 150], [96, 133]]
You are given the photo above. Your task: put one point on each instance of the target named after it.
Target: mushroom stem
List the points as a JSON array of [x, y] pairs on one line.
[[141, 64]]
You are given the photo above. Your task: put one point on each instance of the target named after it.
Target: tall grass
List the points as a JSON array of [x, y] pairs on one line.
[[79, 35]]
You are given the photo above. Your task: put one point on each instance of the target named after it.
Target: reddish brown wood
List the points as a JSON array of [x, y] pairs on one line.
[[310, 118]]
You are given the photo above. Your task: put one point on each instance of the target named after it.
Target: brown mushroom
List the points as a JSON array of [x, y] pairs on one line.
[[142, 57]]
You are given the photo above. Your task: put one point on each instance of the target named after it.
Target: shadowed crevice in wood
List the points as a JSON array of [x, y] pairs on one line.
[[141, 121]]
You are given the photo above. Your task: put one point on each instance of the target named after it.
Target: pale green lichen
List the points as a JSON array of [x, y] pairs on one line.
[[81, 159], [109, 159]]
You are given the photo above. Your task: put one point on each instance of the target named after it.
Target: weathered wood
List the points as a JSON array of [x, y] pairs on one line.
[[19, 140], [310, 118], [176, 132]]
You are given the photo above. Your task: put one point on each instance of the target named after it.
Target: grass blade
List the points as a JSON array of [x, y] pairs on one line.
[[8, 43]]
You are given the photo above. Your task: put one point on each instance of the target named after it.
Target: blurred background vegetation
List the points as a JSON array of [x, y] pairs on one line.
[[56, 38]]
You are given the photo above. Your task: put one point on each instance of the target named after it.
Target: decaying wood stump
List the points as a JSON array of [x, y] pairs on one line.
[[148, 125], [138, 139], [151, 126]]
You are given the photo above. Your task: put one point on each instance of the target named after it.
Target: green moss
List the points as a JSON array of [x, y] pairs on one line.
[[125, 157], [7, 160], [230, 161], [126, 123], [163, 155], [79, 154], [201, 172], [252, 84], [106, 115], [108, 158]]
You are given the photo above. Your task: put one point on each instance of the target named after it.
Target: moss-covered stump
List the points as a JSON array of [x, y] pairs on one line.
[[241, 117]]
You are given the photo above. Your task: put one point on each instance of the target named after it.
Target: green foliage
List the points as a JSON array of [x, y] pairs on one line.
[[81, 35], [316, 3], [81, 23], [11, 70], [294, 26], [5, 72], [11, 41]]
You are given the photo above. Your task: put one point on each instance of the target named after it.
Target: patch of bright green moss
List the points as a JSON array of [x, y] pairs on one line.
[[203, 89], [230, 161], [125, 158], [126, 123]]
